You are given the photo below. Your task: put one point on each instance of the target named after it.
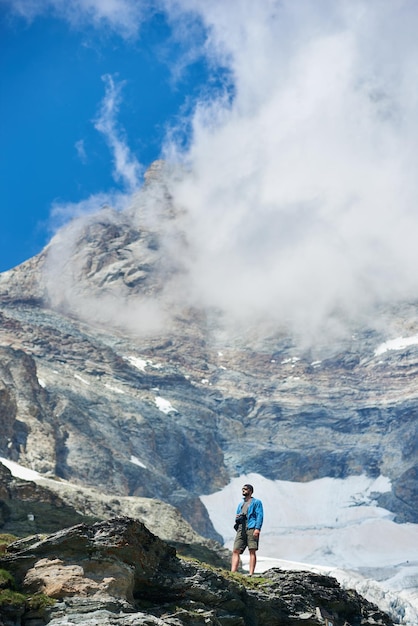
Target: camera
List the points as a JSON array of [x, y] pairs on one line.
[[240, 519]]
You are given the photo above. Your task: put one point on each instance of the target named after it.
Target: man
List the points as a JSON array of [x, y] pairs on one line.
[[248, 523]]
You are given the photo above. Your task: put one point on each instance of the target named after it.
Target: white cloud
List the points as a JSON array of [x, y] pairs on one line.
[[81, 150], [302, 194], [127, 169], [299, 205], [63, 212], [122, 16]]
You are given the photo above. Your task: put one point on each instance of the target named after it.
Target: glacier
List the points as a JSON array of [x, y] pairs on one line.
[[333, 526]]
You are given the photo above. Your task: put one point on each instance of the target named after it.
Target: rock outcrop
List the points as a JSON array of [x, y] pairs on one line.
[[26, 508], [117, 572]]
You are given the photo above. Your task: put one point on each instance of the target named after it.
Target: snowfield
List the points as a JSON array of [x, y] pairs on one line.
[[400, 343], [332, 526]]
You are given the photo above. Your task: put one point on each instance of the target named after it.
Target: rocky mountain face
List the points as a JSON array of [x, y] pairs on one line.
[[117, 572], [110, 379], [48, 505]]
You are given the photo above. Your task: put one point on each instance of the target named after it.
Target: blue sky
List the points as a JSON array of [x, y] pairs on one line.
[[55, 77]]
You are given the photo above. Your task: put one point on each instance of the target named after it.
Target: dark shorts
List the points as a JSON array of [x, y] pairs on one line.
[[245, 538]]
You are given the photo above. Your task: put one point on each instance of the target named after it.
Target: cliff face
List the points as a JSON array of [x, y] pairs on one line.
[[109, 378], [117, 572]]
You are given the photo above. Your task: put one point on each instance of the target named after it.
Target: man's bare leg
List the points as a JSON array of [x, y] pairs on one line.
[[235, 561], [253, 561]]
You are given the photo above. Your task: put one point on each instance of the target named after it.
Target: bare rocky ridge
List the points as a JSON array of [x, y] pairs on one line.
[[110, 379], [26, 508], [117, 572]]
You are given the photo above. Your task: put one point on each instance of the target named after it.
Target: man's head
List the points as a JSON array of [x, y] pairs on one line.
[[247, 490]]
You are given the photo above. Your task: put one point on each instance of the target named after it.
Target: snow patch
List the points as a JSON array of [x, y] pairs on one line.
[[136, 461], [293, 359], [41, 383], [164, 405], [85, 382], [141, 364], [18, 471], [319, 504], [400, 343]]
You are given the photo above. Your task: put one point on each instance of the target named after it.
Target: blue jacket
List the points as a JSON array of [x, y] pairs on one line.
[[254, 514]]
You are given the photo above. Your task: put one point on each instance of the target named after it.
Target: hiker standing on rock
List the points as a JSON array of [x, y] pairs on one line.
[[248, 523]]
